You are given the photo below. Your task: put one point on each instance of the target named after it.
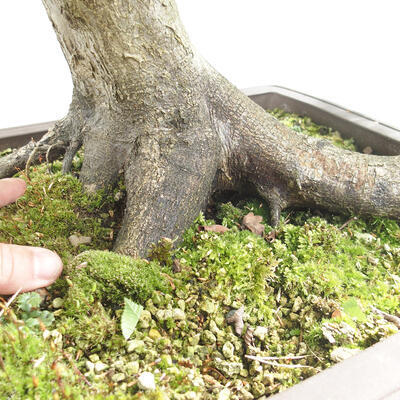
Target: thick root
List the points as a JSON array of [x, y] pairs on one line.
[[49, 148], [166, 192]]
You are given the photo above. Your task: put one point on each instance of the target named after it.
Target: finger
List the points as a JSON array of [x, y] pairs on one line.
[[28, 268], [10, 190]]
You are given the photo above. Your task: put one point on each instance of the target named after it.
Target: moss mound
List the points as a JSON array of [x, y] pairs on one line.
[[53, 208]]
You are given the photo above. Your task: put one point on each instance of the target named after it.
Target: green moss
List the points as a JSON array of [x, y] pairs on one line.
[[53, 208], [5, 152], [162, 252], [109, 277], [31, 367], [97, 282], [321, 259], [229, 215], [237, 262], [306, 126]]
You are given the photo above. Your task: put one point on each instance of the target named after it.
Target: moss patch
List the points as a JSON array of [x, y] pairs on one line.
[[306, 126], [53, 208], [308, 290]]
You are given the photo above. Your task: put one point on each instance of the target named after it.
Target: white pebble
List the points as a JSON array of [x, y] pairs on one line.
[[146, 381]]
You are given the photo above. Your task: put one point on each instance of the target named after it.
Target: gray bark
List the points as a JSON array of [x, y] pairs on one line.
[[146, 103]]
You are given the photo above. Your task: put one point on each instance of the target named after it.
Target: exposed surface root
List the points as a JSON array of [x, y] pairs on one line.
[[69, 155], [49, 147]]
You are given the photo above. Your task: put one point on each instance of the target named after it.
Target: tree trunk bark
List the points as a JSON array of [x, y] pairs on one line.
[[146, 104]]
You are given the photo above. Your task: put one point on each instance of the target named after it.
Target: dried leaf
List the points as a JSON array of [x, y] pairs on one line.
[[337, 314], [253, 223], [185, 363], [235, 317], [271, 236], [176, 266], [214, 228]]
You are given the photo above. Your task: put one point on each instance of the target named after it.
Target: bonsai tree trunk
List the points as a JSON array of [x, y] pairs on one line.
[[147, 105]]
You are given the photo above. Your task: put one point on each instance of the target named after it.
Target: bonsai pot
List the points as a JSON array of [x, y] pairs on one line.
[[371, 374]]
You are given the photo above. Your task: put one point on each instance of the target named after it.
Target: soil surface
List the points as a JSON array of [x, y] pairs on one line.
[[235, 310]]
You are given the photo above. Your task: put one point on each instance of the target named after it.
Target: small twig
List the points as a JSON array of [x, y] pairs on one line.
[[388, 317], [47, 159], [221, 375], [287, 219], [10, 300], [275, 364], [347, 222], [29, 162], [171, 280], [315, 355], [281, 358], [279, 318], [3, 367], [79, 373]]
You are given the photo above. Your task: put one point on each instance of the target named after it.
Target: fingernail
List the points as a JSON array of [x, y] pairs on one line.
[[47, 265]]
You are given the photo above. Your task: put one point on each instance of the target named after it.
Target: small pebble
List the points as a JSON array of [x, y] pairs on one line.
[[342, 353], [167, 360], [89, 366], [367, 150], [119, 364], [178, 314], [100, 366], [145, 319], [208, 306], [154, 334], [258, 389], [94, 358], [146, 381], [118, 377], [365, 237], [76, 240], [228, 349], [134, 345], [208, 337], [57, 302], [261, 332], [224, 394], [132, 367]]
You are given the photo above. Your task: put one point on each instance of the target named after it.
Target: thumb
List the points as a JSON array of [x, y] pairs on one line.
[[10, 190], [28, 268]]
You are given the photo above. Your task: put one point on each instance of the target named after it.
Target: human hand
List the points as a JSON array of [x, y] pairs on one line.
[[23, 267]]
